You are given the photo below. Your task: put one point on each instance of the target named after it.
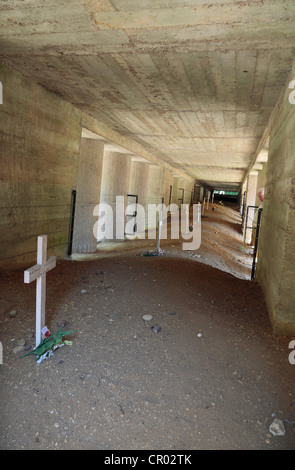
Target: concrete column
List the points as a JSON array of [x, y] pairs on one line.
[[167, 182], [115, 182], [139, 178], [182, 191], [258, 202], [201, 194], [196, 196], [260, 182], [250, 201], [88, 191], [155, 185], [243, 199], [155, 189], [276, 268], [175, 190], [138, 185], [187, 193]]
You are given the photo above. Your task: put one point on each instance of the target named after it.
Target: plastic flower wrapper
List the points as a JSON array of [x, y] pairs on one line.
[[45, 349]]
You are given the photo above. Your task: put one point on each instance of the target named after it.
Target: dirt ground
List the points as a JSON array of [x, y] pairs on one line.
[[213, 376]]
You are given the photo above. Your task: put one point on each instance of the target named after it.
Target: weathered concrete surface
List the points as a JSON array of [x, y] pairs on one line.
[[192, 83], [115, 182], [88, 195], [40, 142], [276, 262], [138, 183], [138, 186], [167, 183], [251, 192], [260, 182], [154, 194]]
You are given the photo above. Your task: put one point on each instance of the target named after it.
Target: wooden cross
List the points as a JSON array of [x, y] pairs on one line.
[[38, 272]]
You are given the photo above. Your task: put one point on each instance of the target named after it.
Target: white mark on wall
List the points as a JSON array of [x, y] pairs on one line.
[[1, 93], [292, 94]]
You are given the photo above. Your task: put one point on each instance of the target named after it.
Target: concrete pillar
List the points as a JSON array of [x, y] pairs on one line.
[[181, 190], [276, 268], [88, 192], [243, 199], [261, 182], [175, 190], [167, 182], [250, 201], [201, 194], [187, 190], [139, 178], [155, 190], [138, 185], [115, 182], [207, 194], [155, 185], [196, 195]]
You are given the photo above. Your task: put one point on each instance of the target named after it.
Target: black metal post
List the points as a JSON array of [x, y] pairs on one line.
[[181, 198], [170, 194], [73, 208], [134, 213], [256, 243]]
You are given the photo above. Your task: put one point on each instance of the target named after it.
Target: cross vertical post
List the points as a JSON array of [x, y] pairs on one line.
[[40, 288], [38, 273]]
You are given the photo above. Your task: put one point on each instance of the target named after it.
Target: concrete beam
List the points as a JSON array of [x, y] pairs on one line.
[[112, 136]]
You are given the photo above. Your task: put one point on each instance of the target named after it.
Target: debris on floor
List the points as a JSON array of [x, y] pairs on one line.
[[154, 253], [277, 428], [147, 317], [156, 328]]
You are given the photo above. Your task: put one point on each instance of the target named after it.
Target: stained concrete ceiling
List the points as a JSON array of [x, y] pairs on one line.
[[192, 81]]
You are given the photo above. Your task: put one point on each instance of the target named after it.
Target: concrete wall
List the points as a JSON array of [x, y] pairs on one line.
[[88, 195], [40, 138], [276, 262]]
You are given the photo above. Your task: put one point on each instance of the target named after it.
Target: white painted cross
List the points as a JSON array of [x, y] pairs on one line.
[[39, 272]]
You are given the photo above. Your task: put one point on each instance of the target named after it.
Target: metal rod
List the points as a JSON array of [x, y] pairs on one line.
[[246, 227], [160, 226], [256, 243], [170, 194], [73, 208], [181, 198], [135, 213]]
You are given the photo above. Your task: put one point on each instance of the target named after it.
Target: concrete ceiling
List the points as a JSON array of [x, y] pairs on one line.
[[192, 81]]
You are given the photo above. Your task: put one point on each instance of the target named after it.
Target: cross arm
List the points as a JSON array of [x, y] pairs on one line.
[[36, 271]]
